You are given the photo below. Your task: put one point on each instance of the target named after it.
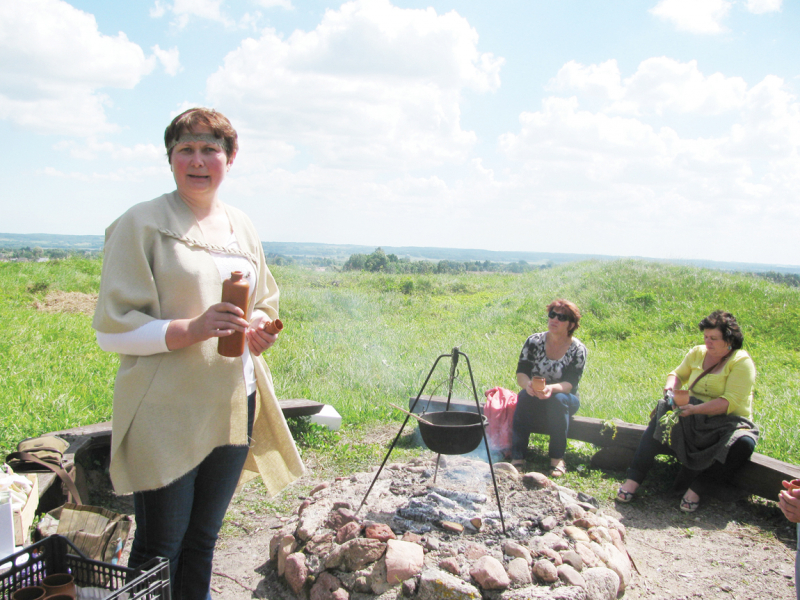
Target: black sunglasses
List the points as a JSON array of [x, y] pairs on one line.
[[554, 315]]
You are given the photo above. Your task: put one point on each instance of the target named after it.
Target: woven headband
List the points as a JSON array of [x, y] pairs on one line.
[[209, 138]]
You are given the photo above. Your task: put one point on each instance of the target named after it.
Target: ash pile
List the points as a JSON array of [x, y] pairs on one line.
[[418, 539]]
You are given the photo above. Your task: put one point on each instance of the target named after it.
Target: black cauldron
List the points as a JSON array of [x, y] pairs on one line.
[[452, 432]]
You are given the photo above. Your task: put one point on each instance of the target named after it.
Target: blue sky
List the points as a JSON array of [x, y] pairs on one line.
[[660, 128]]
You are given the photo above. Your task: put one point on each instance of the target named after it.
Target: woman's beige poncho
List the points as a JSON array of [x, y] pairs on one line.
[[172, 409]]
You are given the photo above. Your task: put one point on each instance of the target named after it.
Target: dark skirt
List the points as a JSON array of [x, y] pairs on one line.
[[699, 440]]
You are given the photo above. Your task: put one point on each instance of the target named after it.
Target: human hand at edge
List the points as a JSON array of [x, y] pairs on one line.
[[789, 502], [259, 340]]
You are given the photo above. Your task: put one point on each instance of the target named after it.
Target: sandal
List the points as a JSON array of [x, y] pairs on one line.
[[688, 506], [518, 464], [624, 497], [558, 470]]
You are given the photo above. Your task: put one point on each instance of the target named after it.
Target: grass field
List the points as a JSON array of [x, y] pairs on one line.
[[358, 341]]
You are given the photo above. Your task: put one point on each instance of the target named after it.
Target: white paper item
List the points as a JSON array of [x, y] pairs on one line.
[[329, 417], [7, 546]]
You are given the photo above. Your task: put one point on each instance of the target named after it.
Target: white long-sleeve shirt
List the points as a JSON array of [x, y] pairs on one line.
[[151, 338]]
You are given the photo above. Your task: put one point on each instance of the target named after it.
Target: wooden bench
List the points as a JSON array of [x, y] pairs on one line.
[[761, 476], [98, 436], [299, 408]]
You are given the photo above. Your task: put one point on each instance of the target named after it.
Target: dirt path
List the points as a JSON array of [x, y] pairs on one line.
[[732, 550], [724, 550]]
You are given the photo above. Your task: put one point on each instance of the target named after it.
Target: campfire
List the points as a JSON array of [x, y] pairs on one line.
[[427, 540], [434, 529]]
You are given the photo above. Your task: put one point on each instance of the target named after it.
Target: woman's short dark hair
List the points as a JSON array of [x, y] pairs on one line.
[[727, 325], [189, 120], [568, 308]]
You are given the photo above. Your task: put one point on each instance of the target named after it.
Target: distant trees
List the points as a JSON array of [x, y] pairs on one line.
[[28, 254], [380, 262], [790, 279], [281, 260]]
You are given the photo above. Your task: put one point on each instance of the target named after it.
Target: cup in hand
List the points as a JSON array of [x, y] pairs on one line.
[[681, 397], [537, 384], [793, 484]]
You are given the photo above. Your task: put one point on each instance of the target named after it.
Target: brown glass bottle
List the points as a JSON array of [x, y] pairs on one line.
[[236, 291]]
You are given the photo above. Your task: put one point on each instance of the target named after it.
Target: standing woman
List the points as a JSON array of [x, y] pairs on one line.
[[559, 358], [187, 421]]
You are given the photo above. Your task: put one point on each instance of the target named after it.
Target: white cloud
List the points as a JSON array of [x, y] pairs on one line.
[[694, 16], [158, 10], [768, 133], [373, 84], [251, 21], [660, 85], [169, 59], [121, 175], [663, 84], [93, 148], [54, 62], [759, 7], [602, 81], [287, 4], [601, 146], [184, 10], [649, 166]]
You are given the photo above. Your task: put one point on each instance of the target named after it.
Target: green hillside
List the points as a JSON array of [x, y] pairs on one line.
[[359, 340]]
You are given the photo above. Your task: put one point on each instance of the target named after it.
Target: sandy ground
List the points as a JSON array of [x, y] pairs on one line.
[[732, 550]]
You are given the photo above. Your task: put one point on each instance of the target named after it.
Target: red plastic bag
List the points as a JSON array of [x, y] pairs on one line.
[[499, 410]]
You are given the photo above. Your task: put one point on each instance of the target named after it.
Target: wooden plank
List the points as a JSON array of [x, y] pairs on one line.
[[299, 408], [603, 432], [761, 476], [90, 431], [290, 408], [96, 435]]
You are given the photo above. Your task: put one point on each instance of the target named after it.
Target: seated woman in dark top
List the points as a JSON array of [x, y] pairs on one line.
[[550, 367]]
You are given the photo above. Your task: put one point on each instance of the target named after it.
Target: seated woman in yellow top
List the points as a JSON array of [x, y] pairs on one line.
[[714, 436]]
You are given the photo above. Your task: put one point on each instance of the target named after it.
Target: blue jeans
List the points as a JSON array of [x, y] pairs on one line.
[[530, 411], [181, 521], [797, 565], [738, 454]]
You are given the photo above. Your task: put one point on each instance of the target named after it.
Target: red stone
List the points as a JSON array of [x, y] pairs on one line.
[[379, 531]]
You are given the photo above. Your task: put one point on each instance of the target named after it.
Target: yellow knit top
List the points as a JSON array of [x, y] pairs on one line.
[[734, 383]]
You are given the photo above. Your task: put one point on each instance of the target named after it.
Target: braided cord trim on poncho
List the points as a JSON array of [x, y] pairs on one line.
[[211, 247]]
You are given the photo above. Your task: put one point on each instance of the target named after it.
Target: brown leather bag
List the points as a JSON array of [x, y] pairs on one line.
[[43, 454]]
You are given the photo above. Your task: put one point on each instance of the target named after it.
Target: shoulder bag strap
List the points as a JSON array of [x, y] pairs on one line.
[[711, 368], [63, 475]]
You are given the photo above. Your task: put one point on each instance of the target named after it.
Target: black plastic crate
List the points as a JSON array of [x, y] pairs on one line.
[[55, 554]]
